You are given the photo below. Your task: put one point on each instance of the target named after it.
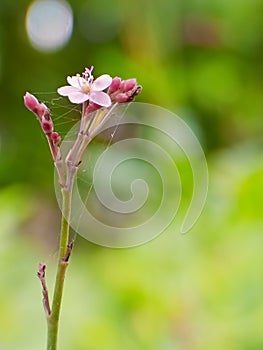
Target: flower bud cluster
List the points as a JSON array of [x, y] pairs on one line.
[[42, 113], [123, 90]]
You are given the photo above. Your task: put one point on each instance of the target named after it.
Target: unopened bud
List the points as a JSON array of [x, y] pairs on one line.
[[136, 91], [55, 137], [38, 108], [122, 97], [30, 102], [41, 110], [128, 85], [46, 114], [92, 107], [115, 85], [47, 126]]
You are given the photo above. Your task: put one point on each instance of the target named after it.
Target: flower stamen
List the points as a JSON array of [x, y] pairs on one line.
[[85, 88]]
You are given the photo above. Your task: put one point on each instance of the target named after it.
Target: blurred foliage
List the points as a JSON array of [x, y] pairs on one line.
[[204, 61]]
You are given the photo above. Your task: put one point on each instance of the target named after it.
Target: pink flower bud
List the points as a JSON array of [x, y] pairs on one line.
[[40, 110], [128, 85], [122, 97], [136, 91], [47, 126], [46, 114], [55, 138], [115, 85], [92, 107], [31, 102]]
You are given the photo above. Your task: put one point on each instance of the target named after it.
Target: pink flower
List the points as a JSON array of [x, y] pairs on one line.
[[82, 89]]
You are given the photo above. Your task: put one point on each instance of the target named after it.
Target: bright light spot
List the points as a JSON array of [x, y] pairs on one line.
[[49, 24]]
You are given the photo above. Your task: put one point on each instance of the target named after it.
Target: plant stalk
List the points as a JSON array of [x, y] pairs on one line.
[[64, 253]]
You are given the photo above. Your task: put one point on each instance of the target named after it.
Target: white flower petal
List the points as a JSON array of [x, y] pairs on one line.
[[78, 97], [100, 98], [75, 81], [101, 82], [66, 90]]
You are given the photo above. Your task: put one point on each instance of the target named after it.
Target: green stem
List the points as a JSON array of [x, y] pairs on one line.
[[53, 318]]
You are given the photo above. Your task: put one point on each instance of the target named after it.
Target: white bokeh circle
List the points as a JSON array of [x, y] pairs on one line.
[[49, 24]]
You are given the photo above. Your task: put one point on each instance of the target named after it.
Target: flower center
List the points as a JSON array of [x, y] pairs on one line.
[[85, 88]]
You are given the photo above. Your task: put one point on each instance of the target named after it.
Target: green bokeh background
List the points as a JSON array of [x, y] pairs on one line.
[[202, 60]]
